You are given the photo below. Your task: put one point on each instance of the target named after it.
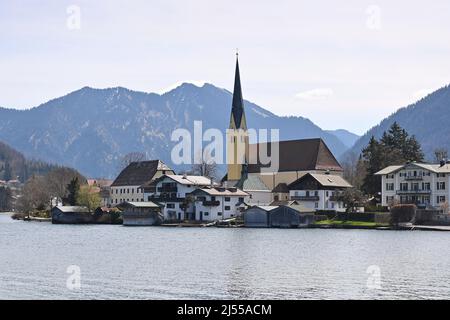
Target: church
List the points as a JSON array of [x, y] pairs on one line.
[[297, 158]]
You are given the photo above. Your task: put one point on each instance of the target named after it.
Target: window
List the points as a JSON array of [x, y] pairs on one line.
[[332, 205], [227, 199], [327, 193], [426, 186], [241, 199], [403, 186], [440, 185], [219, 213], [170, 206], [415, 186], [389, 186], [316, 193], [441, 175], [132, 190], [440, 199], [227, 208], [391, 176], [316, 205]]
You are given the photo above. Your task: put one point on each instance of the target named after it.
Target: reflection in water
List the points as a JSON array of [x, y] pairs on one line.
[[214, 263]]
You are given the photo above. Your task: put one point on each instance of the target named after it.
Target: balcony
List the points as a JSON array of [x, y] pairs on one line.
[[414, 178], [211, 203], [305, 198], [168, 189], [166, 199], [416, 191]]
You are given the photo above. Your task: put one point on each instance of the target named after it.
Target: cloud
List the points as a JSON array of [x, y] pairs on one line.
[[315, 94], [421, 94]]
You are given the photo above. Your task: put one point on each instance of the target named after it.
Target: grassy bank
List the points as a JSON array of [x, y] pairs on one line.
[[349, 223]]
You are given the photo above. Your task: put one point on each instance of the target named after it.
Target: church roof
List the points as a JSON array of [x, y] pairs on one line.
[[298, 155], [237, 109], [139, 173]]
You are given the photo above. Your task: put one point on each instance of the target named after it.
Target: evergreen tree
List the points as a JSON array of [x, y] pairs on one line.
[[73, 190], [395, 147]]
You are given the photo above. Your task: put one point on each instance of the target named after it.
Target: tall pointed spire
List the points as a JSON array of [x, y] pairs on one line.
[[238, 102]]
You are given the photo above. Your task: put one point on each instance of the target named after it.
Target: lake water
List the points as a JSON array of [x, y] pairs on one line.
[[213, 263]]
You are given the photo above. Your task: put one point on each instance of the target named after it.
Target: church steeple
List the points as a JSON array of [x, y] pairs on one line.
[[237, 109], [237, 135]]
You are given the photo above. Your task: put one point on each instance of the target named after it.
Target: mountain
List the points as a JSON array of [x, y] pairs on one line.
[[92, 129], [13, 165], [346, 137], [428, 119]]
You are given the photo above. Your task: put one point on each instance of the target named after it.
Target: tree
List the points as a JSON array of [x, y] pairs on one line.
[[5, 199], [351, 198], [207, 168], [8, 174], [127, 159], [88, 197], [440, 154], [73, 189], [394, 148], [354, 169], [35, 196], [58, 180]]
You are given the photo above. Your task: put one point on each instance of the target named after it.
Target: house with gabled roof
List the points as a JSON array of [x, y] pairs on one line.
[[423, 184], [318, 191], [128, 184]]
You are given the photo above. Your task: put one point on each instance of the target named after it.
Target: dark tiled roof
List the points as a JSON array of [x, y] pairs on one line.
[[139, 173], [299, 155]]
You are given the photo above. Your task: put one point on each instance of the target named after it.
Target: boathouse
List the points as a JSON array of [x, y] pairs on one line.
[[71, 215], [141, 213]]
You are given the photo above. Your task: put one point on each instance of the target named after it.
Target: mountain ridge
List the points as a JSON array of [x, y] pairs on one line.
[[427, 119], [90, 129]]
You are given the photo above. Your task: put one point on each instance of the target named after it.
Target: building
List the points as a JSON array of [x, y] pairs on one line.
[[103, 187], [317, 191], [237, 135], [172, 191], [218, 203], [128, 184], [296, 158], [145, 213], [71, 215], [423, 184], [280, 216]]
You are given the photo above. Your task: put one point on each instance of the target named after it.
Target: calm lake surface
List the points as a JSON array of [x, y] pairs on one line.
[[212, 263]]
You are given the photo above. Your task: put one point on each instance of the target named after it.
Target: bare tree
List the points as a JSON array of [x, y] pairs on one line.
[[207, 168], [440, 154], [35, 195], [129, 158], [58, 179], [354, 170]]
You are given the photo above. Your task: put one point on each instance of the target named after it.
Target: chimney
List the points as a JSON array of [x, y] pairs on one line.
[[443, 162]]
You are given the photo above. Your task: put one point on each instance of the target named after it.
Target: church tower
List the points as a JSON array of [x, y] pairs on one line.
[[237, 135]]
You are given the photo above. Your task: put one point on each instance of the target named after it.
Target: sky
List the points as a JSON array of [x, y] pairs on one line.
[[342, 64]]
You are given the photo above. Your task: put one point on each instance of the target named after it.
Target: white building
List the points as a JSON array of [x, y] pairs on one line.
[[127, 187], [171, 191], [319, 191], [416, 183], [218, 203]]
